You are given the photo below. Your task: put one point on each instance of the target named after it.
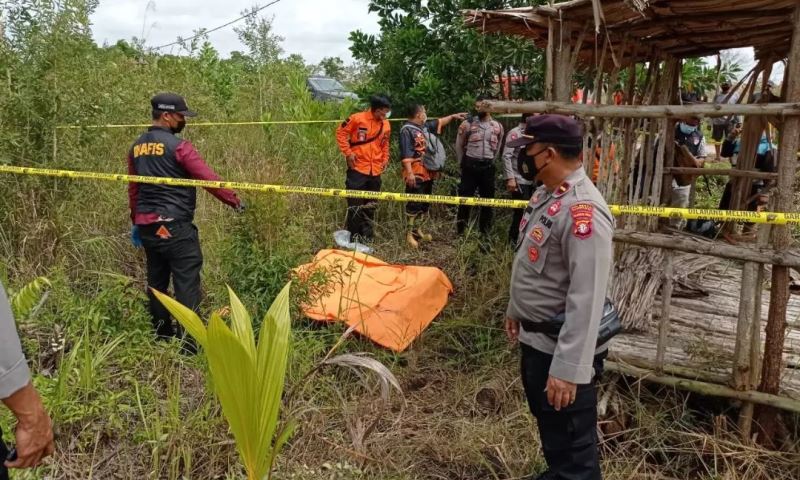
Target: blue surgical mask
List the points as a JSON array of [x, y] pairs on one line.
[[687, 129]]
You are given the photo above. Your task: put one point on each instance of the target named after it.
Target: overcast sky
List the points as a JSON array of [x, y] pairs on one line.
[[313, 28]]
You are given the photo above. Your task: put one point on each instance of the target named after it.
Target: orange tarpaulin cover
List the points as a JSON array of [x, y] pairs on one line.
[[390, 304]]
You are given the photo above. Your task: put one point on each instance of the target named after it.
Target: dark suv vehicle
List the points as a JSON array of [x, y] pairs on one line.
[[328, 89]]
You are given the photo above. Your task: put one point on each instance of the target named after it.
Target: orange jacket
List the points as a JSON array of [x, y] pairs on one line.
[[373, 157], [612, 150]]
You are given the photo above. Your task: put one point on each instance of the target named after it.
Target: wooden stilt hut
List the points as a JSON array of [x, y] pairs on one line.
[[702, 315]]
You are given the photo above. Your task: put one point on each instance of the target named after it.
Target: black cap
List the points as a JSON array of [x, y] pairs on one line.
[[557, 129], [171, 102]]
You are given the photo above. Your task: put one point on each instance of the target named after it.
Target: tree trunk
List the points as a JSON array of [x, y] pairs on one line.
[[767, 417]]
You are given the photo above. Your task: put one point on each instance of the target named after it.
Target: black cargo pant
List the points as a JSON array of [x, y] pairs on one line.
[[179, 258], [360, 212], [477, 176], [523, 192], [568, 437], [421, 188], [3, 455]]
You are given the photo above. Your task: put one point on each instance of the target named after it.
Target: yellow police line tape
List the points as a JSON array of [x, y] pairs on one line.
[[221, 124], [207, 124], [617, 210]]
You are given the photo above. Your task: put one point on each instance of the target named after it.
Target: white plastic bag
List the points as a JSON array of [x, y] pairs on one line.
[[342, 238]]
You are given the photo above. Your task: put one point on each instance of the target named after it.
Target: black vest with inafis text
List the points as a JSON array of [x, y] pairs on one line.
[[154, 155]]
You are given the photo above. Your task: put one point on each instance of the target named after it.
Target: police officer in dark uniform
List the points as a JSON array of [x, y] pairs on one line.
[[163, 215], [558, 288]]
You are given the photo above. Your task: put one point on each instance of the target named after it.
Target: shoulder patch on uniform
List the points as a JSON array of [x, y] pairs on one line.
[[562, 189], [582, 215], [514, 136]]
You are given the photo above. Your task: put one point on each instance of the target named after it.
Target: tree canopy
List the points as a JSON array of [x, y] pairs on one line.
[[425, 54]]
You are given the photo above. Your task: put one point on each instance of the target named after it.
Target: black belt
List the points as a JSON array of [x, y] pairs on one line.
[[610, 325], [478, 160]]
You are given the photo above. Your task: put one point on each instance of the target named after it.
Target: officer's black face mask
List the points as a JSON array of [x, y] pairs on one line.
[[179, 127], [527, 164]]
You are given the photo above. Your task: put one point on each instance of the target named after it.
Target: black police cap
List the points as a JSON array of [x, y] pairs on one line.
[[557, 129], [171, 102]]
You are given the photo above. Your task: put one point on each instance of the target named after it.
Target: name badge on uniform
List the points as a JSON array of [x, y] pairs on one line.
[[537, 234], [554, 208]]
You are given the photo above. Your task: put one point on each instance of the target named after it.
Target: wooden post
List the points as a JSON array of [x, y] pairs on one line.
[[741, 360], [767, 418], [668, 133], [598, 80], [666, 303], [562, 62], [550, 73]]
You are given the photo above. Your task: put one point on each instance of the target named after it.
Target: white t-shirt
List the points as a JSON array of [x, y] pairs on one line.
[[720, 98]]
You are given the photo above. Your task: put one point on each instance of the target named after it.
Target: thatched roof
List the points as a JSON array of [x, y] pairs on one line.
[[642, 30]]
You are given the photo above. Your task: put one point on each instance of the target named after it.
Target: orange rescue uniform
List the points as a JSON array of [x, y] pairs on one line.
[[609, 159], [367, 138]]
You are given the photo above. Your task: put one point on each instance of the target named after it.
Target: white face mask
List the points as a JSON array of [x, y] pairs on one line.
[[389, 114]]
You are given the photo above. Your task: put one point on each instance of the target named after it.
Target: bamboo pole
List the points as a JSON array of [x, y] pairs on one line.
[[788, 258], [767, 418], [666, 304], [751, 378], [578, 45], [641, 111], [673, 370], [629, 143], [704, 388]]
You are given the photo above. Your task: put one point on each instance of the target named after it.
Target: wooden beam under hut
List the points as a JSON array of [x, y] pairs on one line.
[[729, 172], [640, 111], [704, 388], [743, 253]]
